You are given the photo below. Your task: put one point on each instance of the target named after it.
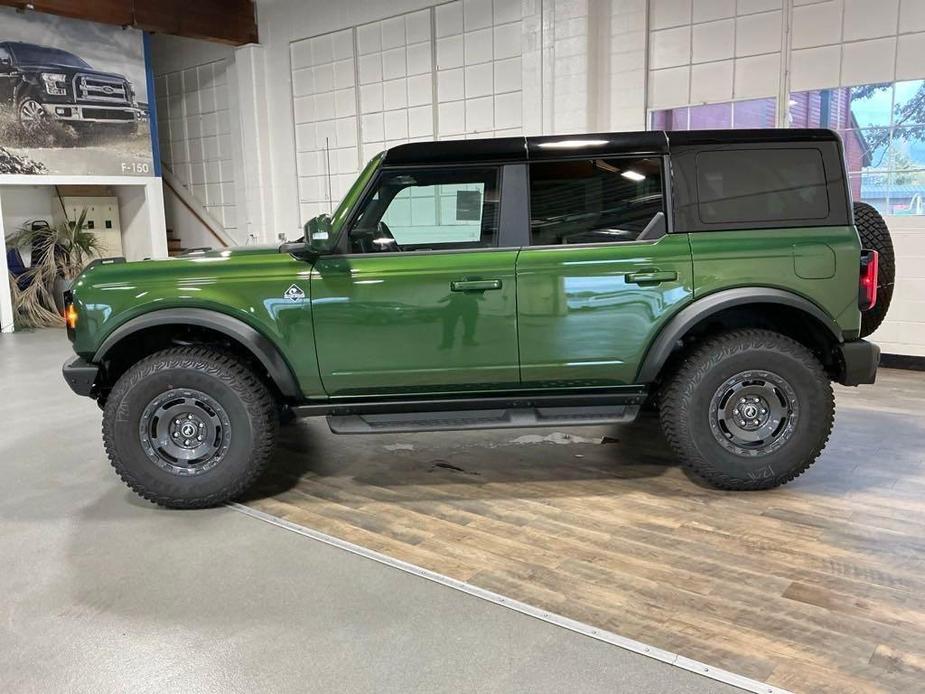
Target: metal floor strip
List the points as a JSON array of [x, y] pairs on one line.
[[644, 649]]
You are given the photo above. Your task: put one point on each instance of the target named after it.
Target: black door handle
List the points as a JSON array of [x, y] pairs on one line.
[[474, 285]]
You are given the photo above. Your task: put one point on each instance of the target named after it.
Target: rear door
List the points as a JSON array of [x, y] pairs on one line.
[[601, 275], [423, 298]]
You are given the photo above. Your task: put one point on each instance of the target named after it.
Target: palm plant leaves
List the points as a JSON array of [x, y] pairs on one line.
[[61, 250]]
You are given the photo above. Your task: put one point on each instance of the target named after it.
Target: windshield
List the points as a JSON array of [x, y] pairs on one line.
[[352, 196], [27, 54]]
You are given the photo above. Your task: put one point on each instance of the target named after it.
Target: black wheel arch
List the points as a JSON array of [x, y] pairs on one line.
[[249, 339], [701, 311], [27, 86]]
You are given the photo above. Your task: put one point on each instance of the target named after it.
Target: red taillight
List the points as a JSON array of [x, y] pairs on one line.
[[867, 290]]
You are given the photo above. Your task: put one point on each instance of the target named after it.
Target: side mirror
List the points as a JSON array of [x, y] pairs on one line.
[[318, 236]]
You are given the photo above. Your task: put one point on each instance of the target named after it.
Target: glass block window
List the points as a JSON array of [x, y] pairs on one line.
[[882, 127], [751, 113], [194, 127]]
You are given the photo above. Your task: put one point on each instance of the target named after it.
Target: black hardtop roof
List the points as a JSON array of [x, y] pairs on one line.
[[509, 149]]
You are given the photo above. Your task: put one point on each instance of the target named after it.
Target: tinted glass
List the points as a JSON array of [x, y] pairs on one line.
[[761, 185], [28, 54], [595, 200], [429, 209], [4, 55]]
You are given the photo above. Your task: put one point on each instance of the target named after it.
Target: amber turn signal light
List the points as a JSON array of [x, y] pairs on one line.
[[70, 316]]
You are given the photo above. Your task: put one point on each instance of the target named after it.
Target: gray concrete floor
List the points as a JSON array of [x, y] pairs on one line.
[[102, 592]]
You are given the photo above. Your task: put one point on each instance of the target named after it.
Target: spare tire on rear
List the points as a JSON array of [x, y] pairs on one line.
[[876, 236]]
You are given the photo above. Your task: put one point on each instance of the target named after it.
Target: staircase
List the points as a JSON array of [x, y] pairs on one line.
[[174, 244]]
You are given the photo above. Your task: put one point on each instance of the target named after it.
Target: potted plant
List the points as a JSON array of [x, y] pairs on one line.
[[59, 253]]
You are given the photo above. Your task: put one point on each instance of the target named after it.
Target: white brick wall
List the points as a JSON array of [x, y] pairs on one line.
[[324, 107], [709, 51], [194, 128], [903, 331], [448, 72]]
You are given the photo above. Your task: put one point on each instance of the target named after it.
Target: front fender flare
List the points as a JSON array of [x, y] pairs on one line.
[[700, 309], [259, 345]]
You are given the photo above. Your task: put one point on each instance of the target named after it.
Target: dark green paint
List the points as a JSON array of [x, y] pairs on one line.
[[583, 321], [391, 322], [770, 258]]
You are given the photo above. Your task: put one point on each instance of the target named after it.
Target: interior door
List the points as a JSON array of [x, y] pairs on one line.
[[601, 274], [422, 299]]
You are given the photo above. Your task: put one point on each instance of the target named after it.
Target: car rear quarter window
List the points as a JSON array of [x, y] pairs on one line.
[[754, 186]]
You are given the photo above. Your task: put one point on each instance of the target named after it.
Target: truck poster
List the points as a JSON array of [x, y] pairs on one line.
[[73, 98]]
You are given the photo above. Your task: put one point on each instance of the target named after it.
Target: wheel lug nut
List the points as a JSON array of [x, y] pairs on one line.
[[176, 421], [176, 435], [199, 438]]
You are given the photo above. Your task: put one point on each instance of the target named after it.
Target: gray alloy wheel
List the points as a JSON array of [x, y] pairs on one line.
[[754, 413], [32, 116], [185, 432]]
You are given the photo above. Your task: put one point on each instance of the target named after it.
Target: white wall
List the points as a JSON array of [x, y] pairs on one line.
[[23, 204], [903, 331], [199, 130], [709, 51]]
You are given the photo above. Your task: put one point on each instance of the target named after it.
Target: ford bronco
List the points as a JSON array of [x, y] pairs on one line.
[[54, 94], [722, 277]]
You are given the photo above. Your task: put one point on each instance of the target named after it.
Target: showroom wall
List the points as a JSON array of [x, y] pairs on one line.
[[199, 134], [363, 75]]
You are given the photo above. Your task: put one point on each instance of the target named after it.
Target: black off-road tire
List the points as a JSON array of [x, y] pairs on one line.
[[689, 394], [876, 236], [251, 416]]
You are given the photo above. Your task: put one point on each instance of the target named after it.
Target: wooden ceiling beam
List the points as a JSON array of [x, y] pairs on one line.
[[226, 21]]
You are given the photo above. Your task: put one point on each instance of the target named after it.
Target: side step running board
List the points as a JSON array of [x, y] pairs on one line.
[[508, 418]]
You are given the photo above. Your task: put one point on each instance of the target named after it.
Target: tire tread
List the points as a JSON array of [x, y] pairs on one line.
[[255, 395], [680, 388]]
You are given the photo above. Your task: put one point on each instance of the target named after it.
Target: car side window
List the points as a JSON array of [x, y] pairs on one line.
[[602, 200], [429, 209], [774, 185], [4, 56]]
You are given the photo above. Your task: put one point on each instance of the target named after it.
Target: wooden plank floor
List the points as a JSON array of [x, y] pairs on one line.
[[818, 586]]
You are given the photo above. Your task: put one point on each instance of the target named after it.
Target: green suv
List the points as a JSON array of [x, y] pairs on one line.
[[516, 282]]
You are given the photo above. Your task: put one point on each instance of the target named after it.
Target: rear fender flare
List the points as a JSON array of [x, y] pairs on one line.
[[688, 317]]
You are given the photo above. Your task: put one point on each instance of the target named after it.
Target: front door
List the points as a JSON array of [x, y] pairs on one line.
[[422, 298], [601, 275]]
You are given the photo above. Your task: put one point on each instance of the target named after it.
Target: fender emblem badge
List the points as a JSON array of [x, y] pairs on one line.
[[294, 293]]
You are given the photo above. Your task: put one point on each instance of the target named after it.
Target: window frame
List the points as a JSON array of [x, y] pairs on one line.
[[342, 247], [667, 198]]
